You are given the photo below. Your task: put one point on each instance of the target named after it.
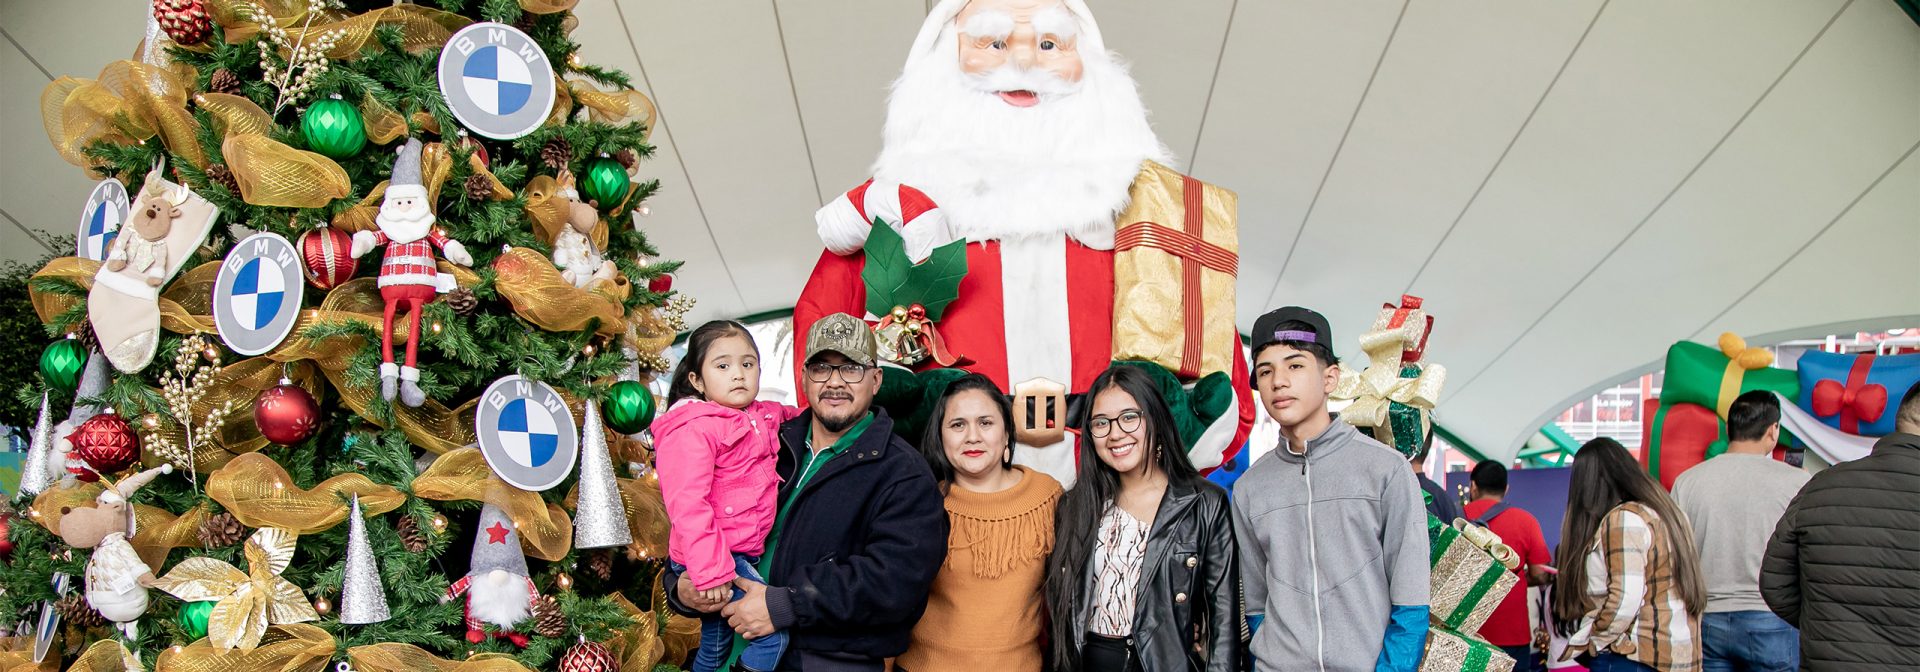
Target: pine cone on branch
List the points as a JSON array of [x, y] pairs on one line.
[[479, 188], [221, 531], [600, 564], [89, 341], [462, 301], [411, 536], [557, 153], [224, 81], [223, 176], [75, 610], [549, 621], [627, 158]]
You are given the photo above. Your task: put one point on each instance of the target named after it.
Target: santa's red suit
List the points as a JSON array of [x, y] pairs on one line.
[[1032, 307]]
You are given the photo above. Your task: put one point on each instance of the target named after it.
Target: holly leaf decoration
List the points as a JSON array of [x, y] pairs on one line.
[[894, 280]]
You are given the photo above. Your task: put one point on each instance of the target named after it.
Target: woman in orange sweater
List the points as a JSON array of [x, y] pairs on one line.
[[984, 613]]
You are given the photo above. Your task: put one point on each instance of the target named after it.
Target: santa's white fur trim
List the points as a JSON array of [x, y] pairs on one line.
[[841, 227]]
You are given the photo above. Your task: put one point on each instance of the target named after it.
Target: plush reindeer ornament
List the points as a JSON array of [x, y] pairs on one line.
[[579, 260], [116, 578]]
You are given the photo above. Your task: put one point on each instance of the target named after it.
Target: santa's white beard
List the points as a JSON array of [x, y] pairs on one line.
[[404, 227], [499, 597], [999, 171]]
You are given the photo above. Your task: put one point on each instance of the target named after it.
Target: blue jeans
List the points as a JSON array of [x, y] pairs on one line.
[[1613, 662], [716, 637], [1749, 641]]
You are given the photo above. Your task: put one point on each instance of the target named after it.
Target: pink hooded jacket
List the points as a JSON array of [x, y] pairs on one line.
[[716, 467]]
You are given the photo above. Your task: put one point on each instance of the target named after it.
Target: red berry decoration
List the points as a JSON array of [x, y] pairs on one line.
[[661, 284], [286, 414], [325, 252], [588, 657], [186, 21], [106, 443]]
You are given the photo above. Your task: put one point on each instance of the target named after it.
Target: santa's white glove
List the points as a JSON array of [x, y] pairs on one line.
[[363, 242], [457, 253]]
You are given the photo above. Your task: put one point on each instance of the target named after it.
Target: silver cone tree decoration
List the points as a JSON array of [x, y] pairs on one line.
[[34, 476], [362, 599], [599, 519]]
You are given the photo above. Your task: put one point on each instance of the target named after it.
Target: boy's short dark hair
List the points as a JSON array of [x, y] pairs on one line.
[[1490, 477], [1751, 414]]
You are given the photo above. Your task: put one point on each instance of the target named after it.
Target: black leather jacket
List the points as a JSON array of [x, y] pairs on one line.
[[1189, 613]]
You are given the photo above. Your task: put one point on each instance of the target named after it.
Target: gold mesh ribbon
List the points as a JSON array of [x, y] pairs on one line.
[[420, 28], [398, 657], [105, 655], [129, 102], [156, 530], [681, 634], [528, 280], [16, 655], [618, 108], [637, 647], [562, 102], [272, 174], [296, 647], [547, 6], [1153, 288], [546, 532], [235, 115], [261, 494], [545, 207], [1377, 387], [382, 123]]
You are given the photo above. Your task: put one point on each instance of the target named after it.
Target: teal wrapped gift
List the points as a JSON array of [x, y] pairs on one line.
[[1454, 651], [1472, 573]]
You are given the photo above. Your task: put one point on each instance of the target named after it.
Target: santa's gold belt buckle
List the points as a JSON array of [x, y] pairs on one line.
[[1039, 412]]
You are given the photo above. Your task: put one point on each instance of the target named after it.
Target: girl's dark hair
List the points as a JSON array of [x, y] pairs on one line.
[[1095, 486], [697, 345], [933, 444], [1605, 476]]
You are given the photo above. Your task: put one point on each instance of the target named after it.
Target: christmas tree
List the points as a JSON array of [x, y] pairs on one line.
[[446, 189]]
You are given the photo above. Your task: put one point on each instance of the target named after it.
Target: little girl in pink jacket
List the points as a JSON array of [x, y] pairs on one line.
[[715, 450]]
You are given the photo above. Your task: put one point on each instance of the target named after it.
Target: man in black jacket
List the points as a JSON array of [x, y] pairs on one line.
[[861, 528], [1843, 560]]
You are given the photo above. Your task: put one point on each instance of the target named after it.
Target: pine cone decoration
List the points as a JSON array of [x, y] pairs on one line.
[[75, 610], [547, 618], [223, 176], [627, 158], [600, 564], [221, 531], [411, 536], [89, 341], [224, 81], [478, 187], [557, 153], [186, 21], [462, 301]]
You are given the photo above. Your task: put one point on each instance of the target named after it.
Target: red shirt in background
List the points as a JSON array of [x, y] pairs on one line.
[[1508, 625]]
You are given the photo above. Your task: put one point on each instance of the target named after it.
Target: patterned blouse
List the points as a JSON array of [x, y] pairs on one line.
[[1120, 548]]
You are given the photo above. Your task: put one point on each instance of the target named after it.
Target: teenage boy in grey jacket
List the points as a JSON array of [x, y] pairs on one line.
[[1333, 545]]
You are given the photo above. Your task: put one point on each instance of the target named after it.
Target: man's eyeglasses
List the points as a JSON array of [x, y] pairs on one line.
[[1101, 426], [821, 372]]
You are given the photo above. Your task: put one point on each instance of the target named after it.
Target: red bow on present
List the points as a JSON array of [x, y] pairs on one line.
[[1855, 401]]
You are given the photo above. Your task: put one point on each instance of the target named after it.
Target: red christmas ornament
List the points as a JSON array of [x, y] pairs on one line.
[[186, 21], [325, 251], [6, 544], [588, 657], [286, 414], [479, 150], [661, 284], [106, 443]]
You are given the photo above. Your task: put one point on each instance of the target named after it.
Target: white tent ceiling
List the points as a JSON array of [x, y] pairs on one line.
[[1572, 185]]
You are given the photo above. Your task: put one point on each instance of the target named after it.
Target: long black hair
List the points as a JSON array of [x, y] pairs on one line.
[[933, 444], [1095, 486], [697, 344], [1605, 476]]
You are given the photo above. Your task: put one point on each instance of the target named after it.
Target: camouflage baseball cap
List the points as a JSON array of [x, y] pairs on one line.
[[845, 334]]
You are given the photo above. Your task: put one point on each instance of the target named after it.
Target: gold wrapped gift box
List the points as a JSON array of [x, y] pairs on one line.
[[1454, 651], [1175, 256], [1472, 573]]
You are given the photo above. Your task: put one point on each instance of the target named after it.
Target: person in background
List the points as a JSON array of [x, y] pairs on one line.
[[1844, 562], [1440, 503], [1510, 626], [985, 610], [1734, 501], [1333, 539], [1629, 593]]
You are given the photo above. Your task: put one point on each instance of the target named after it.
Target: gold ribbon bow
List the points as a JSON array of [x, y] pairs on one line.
[[528, 281], [1484, 539], [260, 494], [398, 657], [285, 648], [421, 28], [546, 531], [248, 601], [1375, 388], [129, 102]]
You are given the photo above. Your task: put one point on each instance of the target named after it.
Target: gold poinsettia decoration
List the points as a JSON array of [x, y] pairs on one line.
[[248, 601]]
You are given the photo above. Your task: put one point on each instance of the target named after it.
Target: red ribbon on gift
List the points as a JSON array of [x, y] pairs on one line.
[[924, 331], [1408, 304], [1855, 401], [1194, 253]]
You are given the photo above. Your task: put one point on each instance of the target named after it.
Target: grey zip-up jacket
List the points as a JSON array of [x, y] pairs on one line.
[[1332, 545]]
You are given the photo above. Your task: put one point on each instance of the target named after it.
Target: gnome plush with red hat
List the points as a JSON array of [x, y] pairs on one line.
[[497, 587], [408, 276]]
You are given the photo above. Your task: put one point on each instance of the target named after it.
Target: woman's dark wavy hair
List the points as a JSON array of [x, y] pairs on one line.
[[1605, 476], [933, 443], [697, 345], [1095, 486]]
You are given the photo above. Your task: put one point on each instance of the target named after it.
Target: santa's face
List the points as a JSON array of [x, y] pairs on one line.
[[404, 217], [1011, 48]]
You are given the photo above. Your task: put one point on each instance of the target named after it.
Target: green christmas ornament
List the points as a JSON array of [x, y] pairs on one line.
[[60, 363], [192, 618], [629, 405], [606, 182], [333, 127]]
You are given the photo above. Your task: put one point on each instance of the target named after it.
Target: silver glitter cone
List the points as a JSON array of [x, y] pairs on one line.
[[599, 519], [93, 383], [34, 476], [362, 599]]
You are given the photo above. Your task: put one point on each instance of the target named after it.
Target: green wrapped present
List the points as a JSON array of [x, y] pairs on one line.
[[1712, 377], [1454, 651], [1472, 573]]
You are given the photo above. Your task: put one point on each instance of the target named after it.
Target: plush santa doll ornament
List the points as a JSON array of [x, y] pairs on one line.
[[408, 276], [497, 587]]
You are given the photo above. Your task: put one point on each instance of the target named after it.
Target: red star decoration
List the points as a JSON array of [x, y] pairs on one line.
[[497, 534]]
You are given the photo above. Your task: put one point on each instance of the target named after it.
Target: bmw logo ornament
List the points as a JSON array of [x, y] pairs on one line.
[[527, 433], [106, 209], [496, 80], [256, 298]]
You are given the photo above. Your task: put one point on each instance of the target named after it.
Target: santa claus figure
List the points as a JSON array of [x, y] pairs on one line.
[[497, 587], [1012, 128], [408, 276]]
